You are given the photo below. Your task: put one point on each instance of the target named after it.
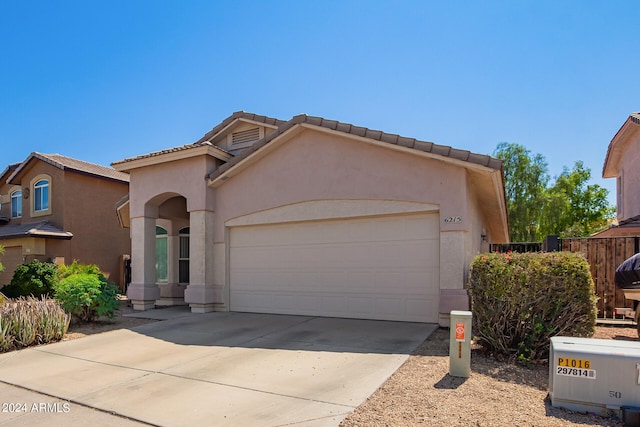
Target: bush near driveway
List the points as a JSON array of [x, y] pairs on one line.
[[34, 279], [31, 321], [81, 291], [86, 293], [519, 301]]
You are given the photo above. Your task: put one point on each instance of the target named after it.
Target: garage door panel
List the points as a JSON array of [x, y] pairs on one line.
[[414, 281], [375, 268], [417, 228]]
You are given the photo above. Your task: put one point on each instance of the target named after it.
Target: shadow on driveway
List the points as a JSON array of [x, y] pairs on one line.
[[221, 368]]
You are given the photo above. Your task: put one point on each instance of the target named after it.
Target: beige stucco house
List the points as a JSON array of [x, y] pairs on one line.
[[60, 209], [621, 163], [311, 217]]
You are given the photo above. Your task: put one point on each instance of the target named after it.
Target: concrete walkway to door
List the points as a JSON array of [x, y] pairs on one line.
[[208, 369]]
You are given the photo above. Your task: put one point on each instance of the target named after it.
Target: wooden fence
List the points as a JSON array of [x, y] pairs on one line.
[[604, 256]]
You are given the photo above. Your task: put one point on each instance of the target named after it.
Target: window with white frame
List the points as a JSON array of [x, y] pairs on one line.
[[161, 255], [41, 196], [183, 256], [16, 204]]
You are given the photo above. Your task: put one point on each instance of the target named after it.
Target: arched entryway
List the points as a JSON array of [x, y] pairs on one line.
[[161, 239], [172, 255], [172, 251]]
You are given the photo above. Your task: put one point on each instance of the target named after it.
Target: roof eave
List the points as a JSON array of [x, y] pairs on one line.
[[612, 158], [45, 235], [20, 168], [502, 234], [127, 165], [14, 177], [381, 139], [36, 234]]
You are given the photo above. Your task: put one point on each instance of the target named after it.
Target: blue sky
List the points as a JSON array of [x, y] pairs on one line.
[[104, 80]]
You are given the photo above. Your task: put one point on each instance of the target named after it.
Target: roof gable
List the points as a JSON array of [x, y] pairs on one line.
[[6, 173], [442, 152], [209, 143], [618, 144], [227, 123], [68, 164]]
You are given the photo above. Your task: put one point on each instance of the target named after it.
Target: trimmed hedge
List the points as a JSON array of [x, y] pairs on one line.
[[520, 301]]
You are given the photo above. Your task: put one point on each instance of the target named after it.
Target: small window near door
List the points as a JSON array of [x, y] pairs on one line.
[[161, 255], [183, 256]]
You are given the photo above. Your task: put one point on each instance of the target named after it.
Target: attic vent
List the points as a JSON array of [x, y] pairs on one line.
[[244, 136]]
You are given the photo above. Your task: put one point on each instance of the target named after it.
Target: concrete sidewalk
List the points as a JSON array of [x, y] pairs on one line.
[[209, 369]]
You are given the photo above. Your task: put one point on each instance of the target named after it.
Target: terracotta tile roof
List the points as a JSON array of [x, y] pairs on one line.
[[209, 135], [67, 163], [429, 147], [162, 152], [239, 115], [42, 229]]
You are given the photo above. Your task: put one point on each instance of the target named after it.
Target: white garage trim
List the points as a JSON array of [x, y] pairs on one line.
[[330, 209], [381, 267]]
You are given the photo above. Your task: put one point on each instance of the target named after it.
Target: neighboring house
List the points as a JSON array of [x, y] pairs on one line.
[[310, 217], [621, 163], [54, 208]]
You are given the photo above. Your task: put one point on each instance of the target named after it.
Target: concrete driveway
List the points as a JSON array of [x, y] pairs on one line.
[[207, 369]]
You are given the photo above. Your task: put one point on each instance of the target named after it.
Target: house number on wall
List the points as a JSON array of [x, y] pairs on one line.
[[450, 219]]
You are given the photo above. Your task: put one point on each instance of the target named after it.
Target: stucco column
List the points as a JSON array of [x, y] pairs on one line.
[[453, 295], [143, 291], [200, 294]]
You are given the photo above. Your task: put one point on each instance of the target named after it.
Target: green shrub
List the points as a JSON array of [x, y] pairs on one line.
[[77, 268], [31, 321], [87, 295], [35, 279], [519, 301]]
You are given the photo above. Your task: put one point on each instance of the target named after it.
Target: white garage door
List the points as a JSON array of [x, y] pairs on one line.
[[368, 268]]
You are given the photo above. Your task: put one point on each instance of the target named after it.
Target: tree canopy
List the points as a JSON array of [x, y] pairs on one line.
[[568, 207]]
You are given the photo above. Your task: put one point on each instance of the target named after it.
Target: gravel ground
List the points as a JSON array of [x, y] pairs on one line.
[[496, 394]]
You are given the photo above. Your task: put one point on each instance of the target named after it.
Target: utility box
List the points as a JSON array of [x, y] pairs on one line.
[[594, 375], [460, 344]]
